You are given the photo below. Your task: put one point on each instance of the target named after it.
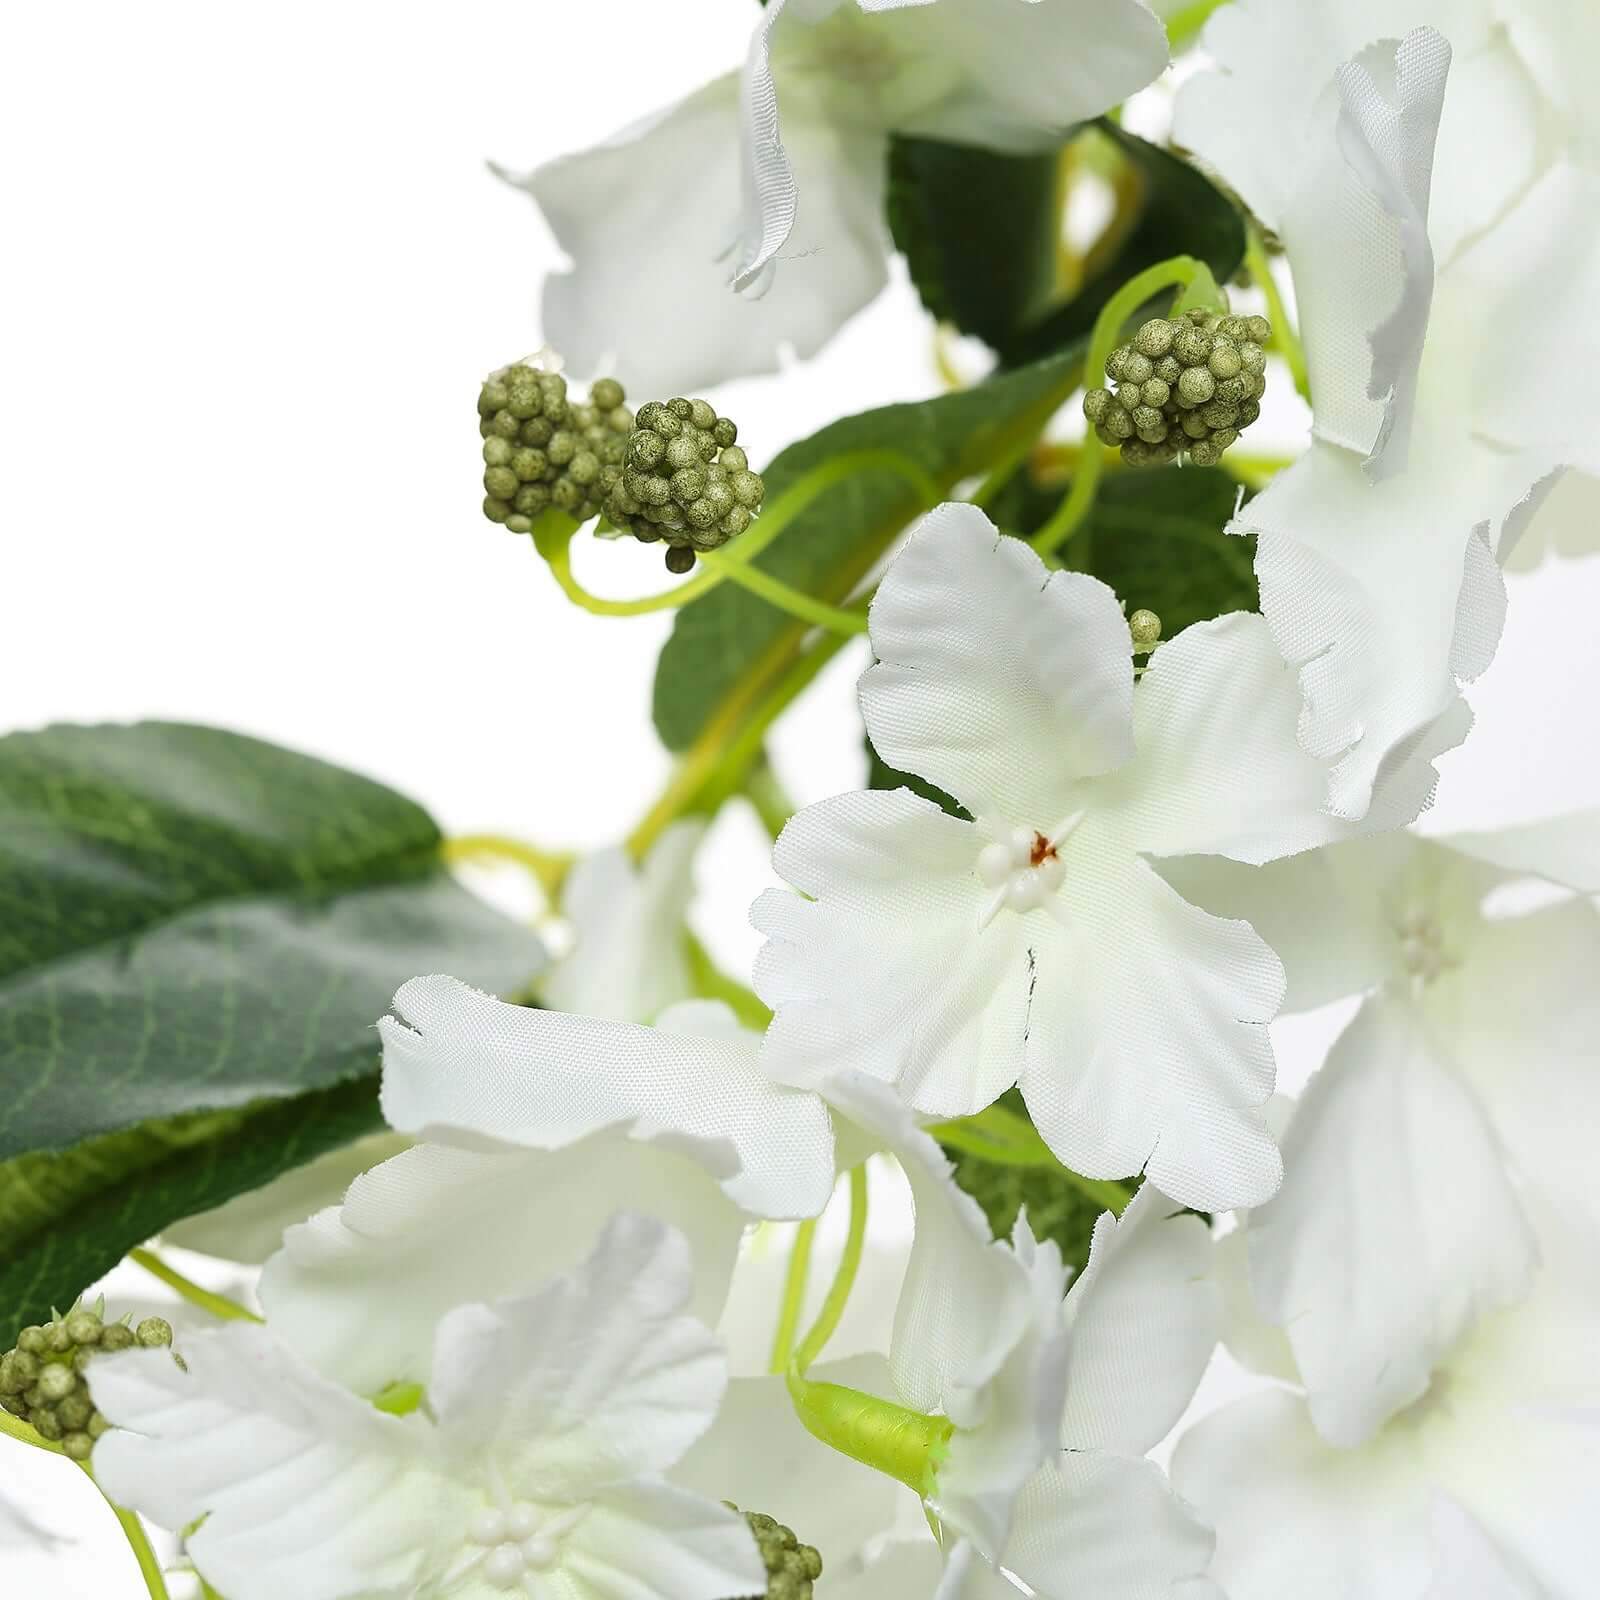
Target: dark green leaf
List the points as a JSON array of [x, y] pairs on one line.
[[1179, 212], [732, 640], [200, 932], [980, 232]]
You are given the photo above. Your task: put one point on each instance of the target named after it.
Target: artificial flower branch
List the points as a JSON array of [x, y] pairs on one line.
[[844, 1278], [1069, 516], [1286, 339], [217, 1304], [548, 868], [794, 1295]]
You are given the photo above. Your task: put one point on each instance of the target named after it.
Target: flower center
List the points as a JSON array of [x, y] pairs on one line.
[[1422, 947], [1022, 869], [517, 1543]]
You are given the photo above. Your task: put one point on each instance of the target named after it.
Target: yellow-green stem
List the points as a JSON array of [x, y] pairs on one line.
[[1071, 514], [149, 1568], [1284, 337], [550, 870], [712, 983], [843, 1279], [794, 1295], [768, 796], [15, 1428], [837, 619], [217, 1304]]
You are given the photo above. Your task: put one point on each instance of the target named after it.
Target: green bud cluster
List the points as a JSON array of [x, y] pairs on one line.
[[543, 449], [42, 1379], [684, 481], [1184, 385], [792, 1567]]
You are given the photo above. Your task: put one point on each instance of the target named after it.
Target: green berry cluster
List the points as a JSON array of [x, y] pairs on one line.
[[684, 481], [792, 1567], [1184, 385], [42, 1379], [543, 449]]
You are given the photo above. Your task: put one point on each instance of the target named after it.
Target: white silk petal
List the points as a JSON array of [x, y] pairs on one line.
[[1294, 1516], [1093, 1523], [304, 1488], [1469, 1567], [1218, 771], [651, 1539], [628, 960], [649, 219], [1397, 1227], [1002, 683], [1145, 1316], [1155, 1058], [886, 966], [458, 1226], [1323, 912], [1563, 849], [464, 1068], [250, 1227], [759, 1453], [593, 1379]]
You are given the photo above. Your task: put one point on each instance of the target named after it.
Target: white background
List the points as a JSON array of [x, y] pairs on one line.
[[254, 269]]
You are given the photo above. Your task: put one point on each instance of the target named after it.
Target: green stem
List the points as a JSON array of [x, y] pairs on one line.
[[714, 766], [712, 983], [904, 1444], [768, 796], [1071, 514], [218, 1305], [149, 1568], [1284, 336], [794, 1295], [554, 543], [550, 870], [843, 1280]]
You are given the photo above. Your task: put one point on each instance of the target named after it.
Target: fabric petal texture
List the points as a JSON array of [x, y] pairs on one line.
[[465, 1068], [1397, 1228], [304, 1488]]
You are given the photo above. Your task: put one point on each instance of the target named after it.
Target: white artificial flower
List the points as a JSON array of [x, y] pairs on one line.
[[533, 1125], [535, 1467], [664, 219], [1483, 1487], [1472, 1068], [1417, 183], [1036, 944], [628, 959], [1054, 1401]]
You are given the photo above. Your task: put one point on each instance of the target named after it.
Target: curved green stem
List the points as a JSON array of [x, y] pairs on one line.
[[149, 1568], [554, 544], [712, 983], [217, 1304], [1069, 516], [549, 869], [1284, 337], [904, 1444], [794, 1295], [843, 1280]]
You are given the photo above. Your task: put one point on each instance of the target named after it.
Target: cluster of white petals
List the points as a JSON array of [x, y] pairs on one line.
[[783, 164]]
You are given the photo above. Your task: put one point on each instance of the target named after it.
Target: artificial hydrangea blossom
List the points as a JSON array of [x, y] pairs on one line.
[[532, 1124], [536, 1465], [1490, 1473], [1472, 1068], [627, 959], [1035, 943], [1415, 183], [710, 192]]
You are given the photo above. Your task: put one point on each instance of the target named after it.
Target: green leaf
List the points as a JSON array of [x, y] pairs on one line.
[[200, 931], [980, 232], [1179, 211], [731, 641], [1057, 1208]]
